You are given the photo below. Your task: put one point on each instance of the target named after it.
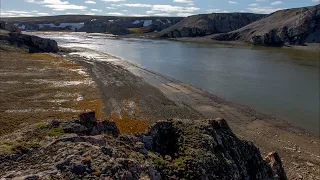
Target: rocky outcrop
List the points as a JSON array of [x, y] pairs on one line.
[[206, 24], [8, 27], [34, 44], [291, 26], [121, 26], [168, 150]]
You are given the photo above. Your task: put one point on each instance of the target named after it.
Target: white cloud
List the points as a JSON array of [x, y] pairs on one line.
[[232, 2], [276, 3], [136, 5], [265, 10], [316, 1], [111, 8], [90, 2], [89, 13], [14, 13], [184, 14], [96, 10], [113, 0], [216, 11], [43, 14], [137, 15], [170, 9], [63, 7], [253, 5], [189, 2], [115, 13], [57, 5], [161, 14]]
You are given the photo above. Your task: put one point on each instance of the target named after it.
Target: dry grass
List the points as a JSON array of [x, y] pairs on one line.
[[141, 30], [128, 124], [38, 87]]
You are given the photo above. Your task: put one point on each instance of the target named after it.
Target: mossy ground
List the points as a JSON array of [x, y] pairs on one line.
[[141, 30], [36, 88]]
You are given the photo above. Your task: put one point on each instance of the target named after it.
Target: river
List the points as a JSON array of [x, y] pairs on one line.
[[281, 82]]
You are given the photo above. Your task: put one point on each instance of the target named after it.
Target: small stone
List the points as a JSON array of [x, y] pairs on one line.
[[55, 123], [310, 164], [107, 150], [148, 142], [78, 169]]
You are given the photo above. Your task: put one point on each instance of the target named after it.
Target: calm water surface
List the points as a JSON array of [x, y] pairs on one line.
[[280, 82]]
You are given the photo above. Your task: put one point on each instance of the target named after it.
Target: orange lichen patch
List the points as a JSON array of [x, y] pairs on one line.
[[42, 56], [128, 124], [92, 105]]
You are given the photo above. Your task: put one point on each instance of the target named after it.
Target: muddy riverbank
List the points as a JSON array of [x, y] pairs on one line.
[[143, 94]]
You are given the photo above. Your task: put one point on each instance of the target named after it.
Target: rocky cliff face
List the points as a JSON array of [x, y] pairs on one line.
[[292, 26], [168, 150], [10, 28], [120, 26], [206, 24], [34, 44]]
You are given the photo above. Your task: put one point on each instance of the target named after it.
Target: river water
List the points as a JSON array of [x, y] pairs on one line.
[[281, 82]]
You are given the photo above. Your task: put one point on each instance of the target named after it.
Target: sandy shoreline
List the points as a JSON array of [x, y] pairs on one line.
[[152, 96]]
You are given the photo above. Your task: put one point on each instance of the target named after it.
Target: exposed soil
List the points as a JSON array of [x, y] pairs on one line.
[[35, 88]]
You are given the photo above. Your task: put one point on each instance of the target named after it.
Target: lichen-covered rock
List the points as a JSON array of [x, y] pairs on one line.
[[168, 150], [291, 26]]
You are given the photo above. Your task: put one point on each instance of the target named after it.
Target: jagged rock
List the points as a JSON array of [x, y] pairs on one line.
[[275, 163], [75, 128], [87, 124], [295, 26], [94, 140], [78, 168], [107, 150], [55, 123], [206, 24], [172, 150]]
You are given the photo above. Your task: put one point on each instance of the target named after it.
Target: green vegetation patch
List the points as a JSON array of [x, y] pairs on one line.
[[56, 132]]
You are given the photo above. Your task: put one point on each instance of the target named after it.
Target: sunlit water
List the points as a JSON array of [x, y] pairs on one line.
[[281, 82]]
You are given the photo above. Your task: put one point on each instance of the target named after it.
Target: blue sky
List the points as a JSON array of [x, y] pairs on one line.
[[144, 7]]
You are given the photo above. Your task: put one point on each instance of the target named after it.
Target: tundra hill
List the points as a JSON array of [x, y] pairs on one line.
[[73, 18], [291, 26], [94, 24], [207, 24]]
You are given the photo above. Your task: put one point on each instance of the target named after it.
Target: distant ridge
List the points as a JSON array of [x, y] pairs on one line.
[[291, 26], [207, 24]]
